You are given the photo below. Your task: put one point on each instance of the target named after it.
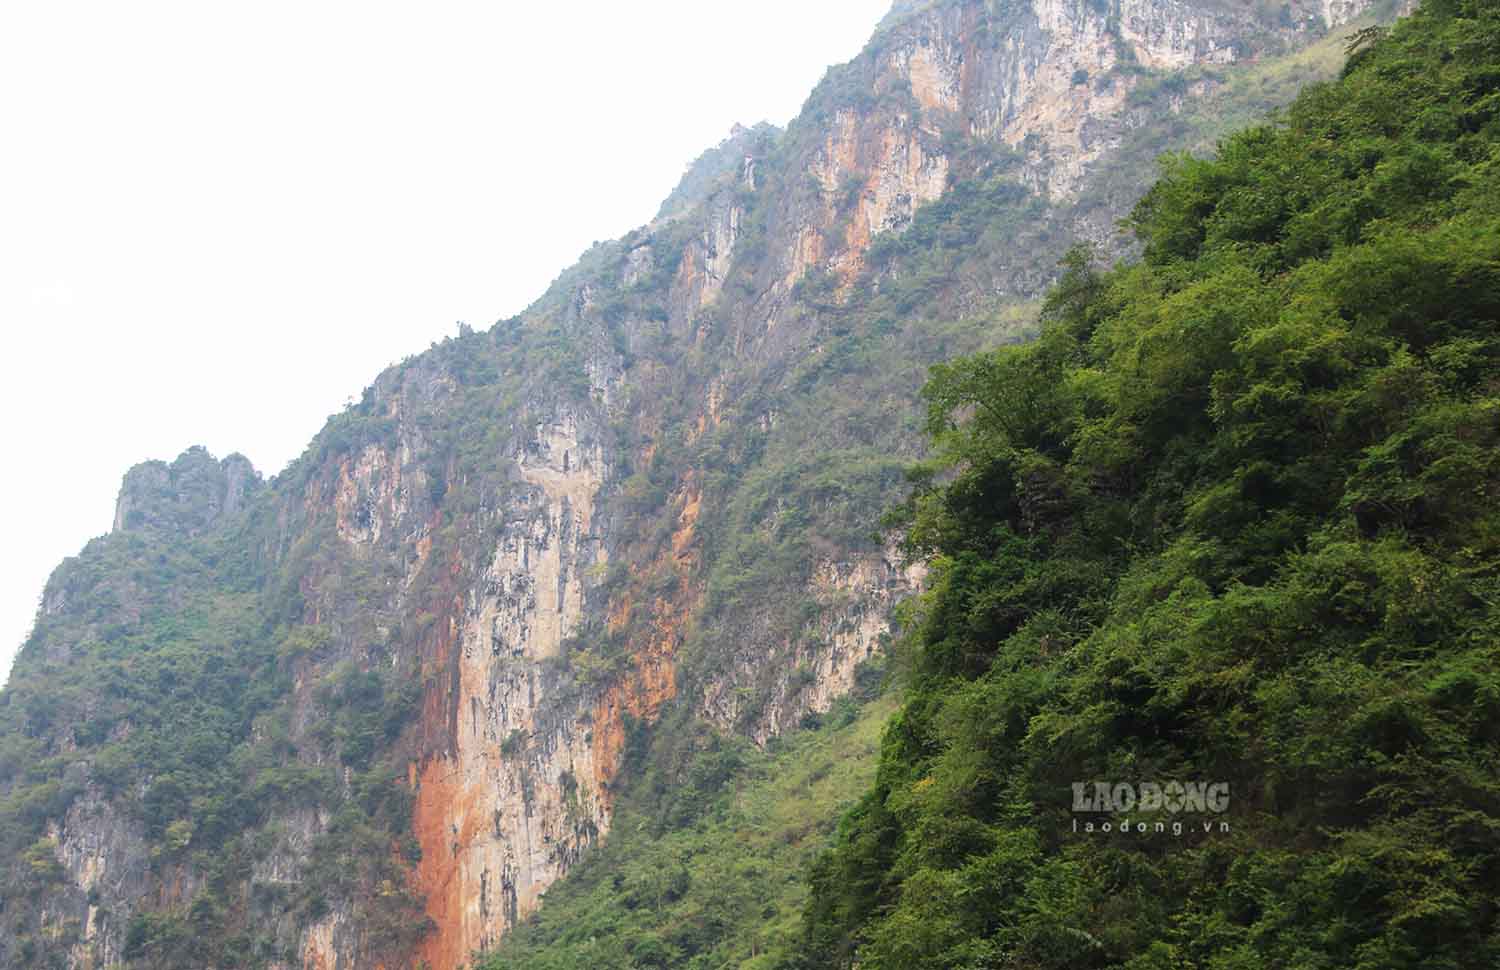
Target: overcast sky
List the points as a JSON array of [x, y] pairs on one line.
[[218, 222]]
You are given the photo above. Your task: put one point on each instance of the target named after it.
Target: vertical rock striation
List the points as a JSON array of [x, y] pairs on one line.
[[517, 795]]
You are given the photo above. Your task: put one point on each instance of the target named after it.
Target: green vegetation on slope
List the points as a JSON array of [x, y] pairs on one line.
[[1232, 518], [166, 663], [704, 866], [161, 694]]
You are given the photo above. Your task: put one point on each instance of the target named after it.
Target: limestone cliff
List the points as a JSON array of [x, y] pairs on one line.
[[433, 642], [188, 495]]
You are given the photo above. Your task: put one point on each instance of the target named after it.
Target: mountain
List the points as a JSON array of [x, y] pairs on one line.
[[1228, 525], [365, 713]]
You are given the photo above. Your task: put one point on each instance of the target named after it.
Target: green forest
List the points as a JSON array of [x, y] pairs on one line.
[[1231, 518]]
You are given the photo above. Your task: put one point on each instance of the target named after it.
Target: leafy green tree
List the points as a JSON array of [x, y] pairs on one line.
[[1231, 516]]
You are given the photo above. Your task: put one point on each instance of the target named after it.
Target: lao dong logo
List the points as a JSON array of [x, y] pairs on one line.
[[1150, 808]]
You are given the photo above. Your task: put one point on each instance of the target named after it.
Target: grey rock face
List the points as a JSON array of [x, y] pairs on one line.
[[188, 495]]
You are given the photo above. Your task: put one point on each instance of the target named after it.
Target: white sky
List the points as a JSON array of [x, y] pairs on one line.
[[220, 221]]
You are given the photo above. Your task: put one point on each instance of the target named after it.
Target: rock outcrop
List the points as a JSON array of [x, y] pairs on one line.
[[188, 495]]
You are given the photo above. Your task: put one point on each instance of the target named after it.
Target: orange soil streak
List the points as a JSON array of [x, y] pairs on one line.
[[437, 792], [682, 539], [441, 794], [653, 681], [437, 873], [651, 684]]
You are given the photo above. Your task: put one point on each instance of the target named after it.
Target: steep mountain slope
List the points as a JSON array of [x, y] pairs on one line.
[[1230, 521], [362, 715]]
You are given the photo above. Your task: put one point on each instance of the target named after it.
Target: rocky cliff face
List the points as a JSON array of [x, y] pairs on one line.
[[519, 793], [188, 495], [479, 586]]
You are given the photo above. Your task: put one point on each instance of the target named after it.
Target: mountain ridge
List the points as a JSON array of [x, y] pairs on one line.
[[652, 490]]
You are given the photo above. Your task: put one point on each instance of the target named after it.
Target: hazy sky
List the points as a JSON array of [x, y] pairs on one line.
[[218, 222]]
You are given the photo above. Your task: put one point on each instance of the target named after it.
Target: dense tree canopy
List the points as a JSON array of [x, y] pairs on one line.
[[1232, 517]]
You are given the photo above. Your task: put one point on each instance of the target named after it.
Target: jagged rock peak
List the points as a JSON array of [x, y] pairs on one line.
[[186, 496], [731, 157]]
